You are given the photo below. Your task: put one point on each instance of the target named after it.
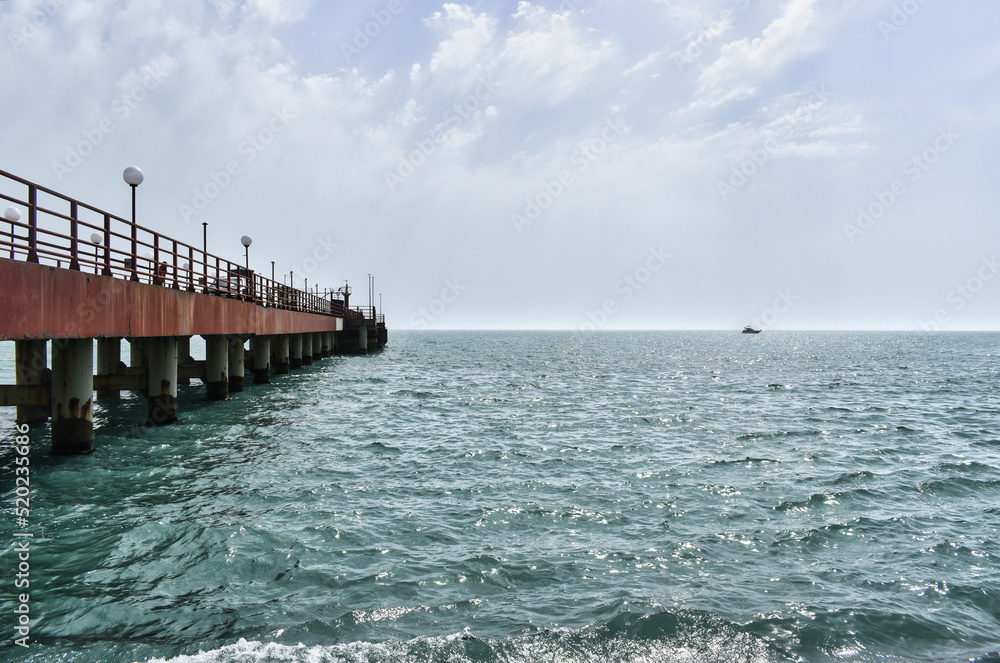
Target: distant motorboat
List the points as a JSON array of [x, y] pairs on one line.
[[750, 330]]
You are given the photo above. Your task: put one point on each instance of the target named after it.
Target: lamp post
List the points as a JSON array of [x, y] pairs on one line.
[[204, 251], [133, 177], [246, 241], [13, 215], [97, 239]]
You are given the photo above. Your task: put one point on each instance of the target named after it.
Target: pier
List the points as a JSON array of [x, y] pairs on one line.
[[72, 274]]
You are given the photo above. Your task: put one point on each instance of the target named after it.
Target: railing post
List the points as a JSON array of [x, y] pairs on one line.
[[190, 269], [74, 242], [135, 252], [32, 223], [107, 245], [177, 285], [156, 276]]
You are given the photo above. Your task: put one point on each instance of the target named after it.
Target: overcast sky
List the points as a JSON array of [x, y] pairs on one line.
[[614, 164]]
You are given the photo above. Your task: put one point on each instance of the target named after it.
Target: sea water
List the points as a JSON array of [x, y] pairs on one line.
[[521, 496]]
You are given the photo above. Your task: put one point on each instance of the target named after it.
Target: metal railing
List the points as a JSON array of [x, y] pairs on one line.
[[63, 232], [366, 313]]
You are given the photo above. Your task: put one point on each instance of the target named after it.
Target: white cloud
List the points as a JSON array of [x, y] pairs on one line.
[[467, 36], [549, 57], [650, 59], [280, 11], [744, 62]]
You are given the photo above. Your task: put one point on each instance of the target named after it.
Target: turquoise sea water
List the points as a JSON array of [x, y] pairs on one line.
[[515, 496]]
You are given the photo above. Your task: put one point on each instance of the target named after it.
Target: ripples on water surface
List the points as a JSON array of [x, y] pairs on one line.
[[472, 496]]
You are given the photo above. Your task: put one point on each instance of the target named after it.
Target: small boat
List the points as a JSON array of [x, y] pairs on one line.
[[750, 330]]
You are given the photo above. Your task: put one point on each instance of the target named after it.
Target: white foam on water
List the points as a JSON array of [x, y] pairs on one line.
[[720, 648]]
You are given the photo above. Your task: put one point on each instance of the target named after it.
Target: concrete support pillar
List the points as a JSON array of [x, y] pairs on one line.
[[109, 355], [162, 385], [31, 362], [183, 355], [236, 365], [327, 344], [216, 367], [307, 349], [363, 339], [317, 346], [137, 352], [261, 348], [335, 342], [279, 349], [139, 356], [73, 396], [295, 350]]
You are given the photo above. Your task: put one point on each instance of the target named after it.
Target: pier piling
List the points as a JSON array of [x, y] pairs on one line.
[[279, 349], [317, 346], [236, 364], [31, 364], [72, 396], [109, 356], [307, 349], [184, 356], [162, 383], [216, 367], [295, 350], [261, 347]]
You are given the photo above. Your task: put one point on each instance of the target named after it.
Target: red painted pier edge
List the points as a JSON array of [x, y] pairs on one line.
[[43, 302]]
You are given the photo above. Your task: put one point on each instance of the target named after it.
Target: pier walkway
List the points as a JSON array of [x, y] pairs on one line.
[[71, 274]]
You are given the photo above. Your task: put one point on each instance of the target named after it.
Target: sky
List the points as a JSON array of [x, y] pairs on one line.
[[570, 164]]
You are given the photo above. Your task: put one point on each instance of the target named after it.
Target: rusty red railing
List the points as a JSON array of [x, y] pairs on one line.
[[60, 231], [365, 312]]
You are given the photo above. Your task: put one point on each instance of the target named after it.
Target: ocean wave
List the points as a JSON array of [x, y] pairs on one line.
[[684, 636]]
